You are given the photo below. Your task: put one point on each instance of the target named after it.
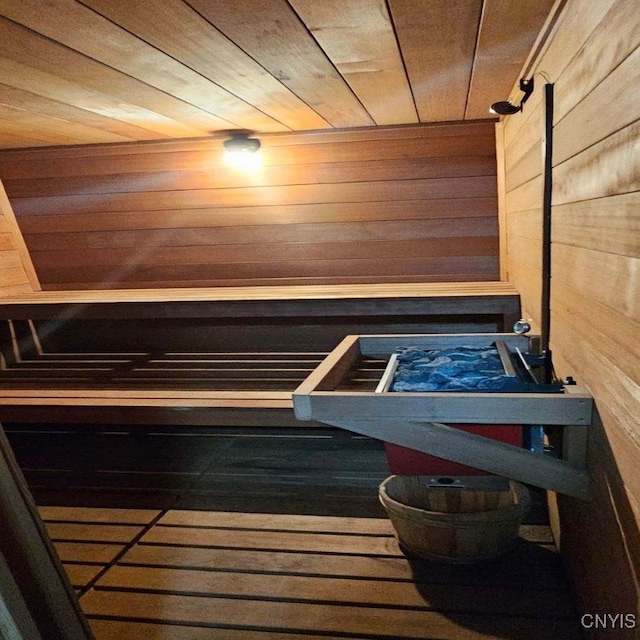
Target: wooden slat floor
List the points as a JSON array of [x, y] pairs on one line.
[[265, 534], [210, 575]]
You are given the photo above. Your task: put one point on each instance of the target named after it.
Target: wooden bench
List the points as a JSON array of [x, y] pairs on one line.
[[228, 356]]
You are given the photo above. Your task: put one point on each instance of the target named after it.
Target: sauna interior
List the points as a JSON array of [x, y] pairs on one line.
[[152, 293]]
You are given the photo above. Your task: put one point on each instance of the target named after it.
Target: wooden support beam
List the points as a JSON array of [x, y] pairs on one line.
[[477, 451], [26, 341], [448, 407]]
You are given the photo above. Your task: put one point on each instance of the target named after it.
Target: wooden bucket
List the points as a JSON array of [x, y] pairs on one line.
[[453, 525]]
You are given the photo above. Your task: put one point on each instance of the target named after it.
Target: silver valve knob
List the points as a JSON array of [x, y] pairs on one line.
[[521, 326]]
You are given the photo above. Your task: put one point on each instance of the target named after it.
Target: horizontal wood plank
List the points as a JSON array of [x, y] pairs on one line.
[[221, 217], [97, 515], [173, 179], [81, 574], [432, 141], [544, 572], [375, 191], [303, 617], [118, 629], [232, 254], [269, 540], [92, 532], [371, 526], [426, 230], [196, 295], [294, 272], [369, 592], [608, 225], [88, 552]]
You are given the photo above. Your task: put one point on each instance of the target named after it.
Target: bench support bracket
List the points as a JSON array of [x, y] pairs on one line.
[[540, 470]]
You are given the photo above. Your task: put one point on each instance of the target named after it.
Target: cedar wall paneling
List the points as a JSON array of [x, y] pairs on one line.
[[17, 274], [594, 61], [413, 204]]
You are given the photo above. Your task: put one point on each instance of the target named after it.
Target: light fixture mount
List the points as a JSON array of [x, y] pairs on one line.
[[506, 108], [241, 142]]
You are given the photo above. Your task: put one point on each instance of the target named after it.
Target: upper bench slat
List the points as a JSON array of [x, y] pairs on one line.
[[366, 299]]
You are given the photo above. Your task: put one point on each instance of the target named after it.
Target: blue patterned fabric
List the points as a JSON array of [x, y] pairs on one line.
[[453, 369]]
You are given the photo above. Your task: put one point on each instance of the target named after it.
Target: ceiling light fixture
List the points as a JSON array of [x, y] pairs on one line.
[[506, 108], [240, 151], [241, 143]]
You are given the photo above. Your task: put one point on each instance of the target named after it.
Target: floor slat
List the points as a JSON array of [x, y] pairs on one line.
[[300, 617], [272, 540], [98, 515], [81, 574], [384, 593], [547, 575], [120, 630], [90, 552], [93, 532], [318, 524]]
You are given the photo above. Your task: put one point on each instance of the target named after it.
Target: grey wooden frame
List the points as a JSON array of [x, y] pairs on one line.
[[415, 420]]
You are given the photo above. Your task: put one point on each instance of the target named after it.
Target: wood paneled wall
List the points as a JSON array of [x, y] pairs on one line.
[[593, 60], [17, 274], [413, 204]]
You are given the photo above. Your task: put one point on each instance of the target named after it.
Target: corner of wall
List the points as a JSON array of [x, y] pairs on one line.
[[17, 273]]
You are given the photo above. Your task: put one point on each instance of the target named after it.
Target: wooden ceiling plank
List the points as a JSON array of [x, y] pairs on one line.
[[12, 96], [508, 30], [113, 106], [13, 118], [47, 84], [176, 29], [271, 33], [438, 39], [11, 141], [35, 129], [21, 139], [359, 39], [83, 30], [30, 50]]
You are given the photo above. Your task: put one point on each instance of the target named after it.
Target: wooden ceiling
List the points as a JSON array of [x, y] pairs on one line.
[[102, 71]]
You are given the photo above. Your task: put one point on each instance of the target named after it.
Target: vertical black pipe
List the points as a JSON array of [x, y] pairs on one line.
[[545, 320]]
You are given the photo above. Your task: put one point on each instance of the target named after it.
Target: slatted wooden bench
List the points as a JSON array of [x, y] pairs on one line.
[[229, 356]]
